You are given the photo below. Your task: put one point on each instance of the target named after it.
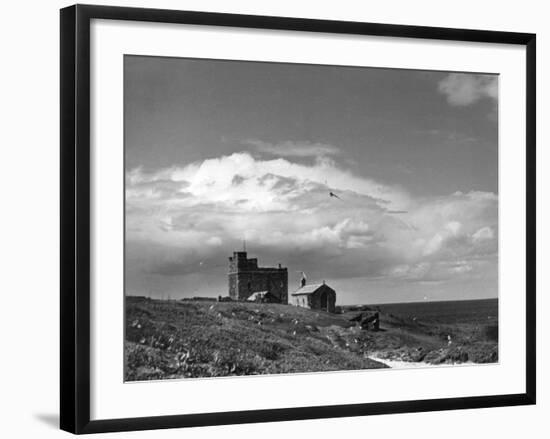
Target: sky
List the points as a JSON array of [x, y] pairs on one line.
[[221, 152]]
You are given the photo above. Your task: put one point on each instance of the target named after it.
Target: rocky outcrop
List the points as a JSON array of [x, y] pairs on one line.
[[368, 320]]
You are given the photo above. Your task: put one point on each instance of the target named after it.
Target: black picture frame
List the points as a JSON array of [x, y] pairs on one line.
[[75, 217]]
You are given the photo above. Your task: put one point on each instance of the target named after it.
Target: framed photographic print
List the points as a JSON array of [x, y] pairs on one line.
[[304, 218]]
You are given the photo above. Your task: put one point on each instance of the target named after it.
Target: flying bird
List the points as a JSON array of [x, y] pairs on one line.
[[331, 194]]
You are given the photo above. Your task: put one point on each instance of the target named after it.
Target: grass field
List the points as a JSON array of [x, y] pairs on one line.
[[470, 326], [171, 339]]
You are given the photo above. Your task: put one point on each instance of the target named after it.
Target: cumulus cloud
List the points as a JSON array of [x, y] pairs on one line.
[[182, 219], [483, 234], [259, 185], [294, 149], [462, 89]]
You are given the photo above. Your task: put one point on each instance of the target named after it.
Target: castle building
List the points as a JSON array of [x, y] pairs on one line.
[[246, 278]]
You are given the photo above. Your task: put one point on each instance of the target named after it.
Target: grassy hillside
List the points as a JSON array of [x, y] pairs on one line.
[[437, 332], [169, 339]]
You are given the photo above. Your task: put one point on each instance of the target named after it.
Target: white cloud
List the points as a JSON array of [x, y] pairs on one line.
[[437, 271], [294, 149], [204, 210], [242, 181], [462, 268], [345, 234], [464, 89], [412, 271], [434, 244], [214, 241], [453, 227], [483, 234]]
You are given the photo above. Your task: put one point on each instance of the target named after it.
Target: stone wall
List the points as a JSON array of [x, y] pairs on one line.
[[245, 278], [324, 298]]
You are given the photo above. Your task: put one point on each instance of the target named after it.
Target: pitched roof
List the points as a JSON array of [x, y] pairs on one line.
[[307, 289]]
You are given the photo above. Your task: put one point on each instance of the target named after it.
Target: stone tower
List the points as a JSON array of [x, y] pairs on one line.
[[246, 278]]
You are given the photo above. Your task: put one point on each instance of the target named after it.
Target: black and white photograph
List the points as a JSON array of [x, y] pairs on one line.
[[275, 219], [292, 218]]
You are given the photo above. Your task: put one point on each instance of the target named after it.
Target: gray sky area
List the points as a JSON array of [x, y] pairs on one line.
[[218, 152]]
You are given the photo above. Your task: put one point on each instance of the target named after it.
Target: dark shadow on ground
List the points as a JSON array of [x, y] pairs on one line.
[[49, 419]]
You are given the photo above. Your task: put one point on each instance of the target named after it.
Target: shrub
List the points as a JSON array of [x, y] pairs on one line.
[[491, 332]]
